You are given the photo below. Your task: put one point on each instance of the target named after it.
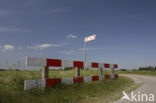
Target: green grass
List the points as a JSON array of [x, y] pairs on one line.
[[141, 72], [12, 84]]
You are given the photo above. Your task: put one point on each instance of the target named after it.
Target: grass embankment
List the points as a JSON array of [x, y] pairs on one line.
[[141, 72], [12, 84]]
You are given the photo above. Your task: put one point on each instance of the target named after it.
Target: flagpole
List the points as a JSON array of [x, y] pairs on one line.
[[86, 39], [84, 51], [84, 54]]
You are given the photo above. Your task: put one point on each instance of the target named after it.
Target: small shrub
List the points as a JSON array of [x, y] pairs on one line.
[[68, 68]]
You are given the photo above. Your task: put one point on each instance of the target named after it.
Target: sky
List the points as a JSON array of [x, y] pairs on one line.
[[125, 30]]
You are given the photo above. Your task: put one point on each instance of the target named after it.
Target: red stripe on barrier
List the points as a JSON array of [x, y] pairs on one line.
[[95, 78], [115, 66], [78, 64], [52, 82], [78, 79], [115, 75], [54, 62], [107, 76], [106, 65], [95, 65]]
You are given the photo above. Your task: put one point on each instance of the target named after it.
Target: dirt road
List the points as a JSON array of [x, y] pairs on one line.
[[148, 87]]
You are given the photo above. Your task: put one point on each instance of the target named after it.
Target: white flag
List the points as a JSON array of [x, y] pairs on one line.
[[89, 38]]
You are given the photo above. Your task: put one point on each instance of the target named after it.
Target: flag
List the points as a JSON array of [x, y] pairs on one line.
[[90, 38]]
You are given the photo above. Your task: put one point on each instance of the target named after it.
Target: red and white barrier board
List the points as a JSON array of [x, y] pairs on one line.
[[31, 61], [30, 84]]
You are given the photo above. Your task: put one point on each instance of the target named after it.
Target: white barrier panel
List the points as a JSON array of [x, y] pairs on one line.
[[112, 76], [88, 79], [101, 65], [67, 80], [111, 65], [67, 63], [88, 65], [102, 77], [29, 84], [31, 61]]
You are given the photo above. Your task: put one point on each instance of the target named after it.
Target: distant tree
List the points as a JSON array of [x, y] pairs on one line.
[[147, 68], [123, 69], [134, 69]]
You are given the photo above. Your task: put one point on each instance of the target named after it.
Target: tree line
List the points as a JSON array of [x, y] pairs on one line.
[[148, 68]]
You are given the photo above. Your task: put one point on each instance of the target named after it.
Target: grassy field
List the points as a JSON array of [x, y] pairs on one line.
[[141, 72], [12, 84]]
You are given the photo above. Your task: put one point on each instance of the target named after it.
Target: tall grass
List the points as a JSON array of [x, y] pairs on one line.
[[12, 84]]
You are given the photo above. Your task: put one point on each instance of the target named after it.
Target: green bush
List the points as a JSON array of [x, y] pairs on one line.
[[68, 68], [147, 68]]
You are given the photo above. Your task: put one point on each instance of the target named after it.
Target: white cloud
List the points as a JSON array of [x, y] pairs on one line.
[[71, 36], [43, 46], [5, 29], [59, 10], [8, 48], [4, 12]]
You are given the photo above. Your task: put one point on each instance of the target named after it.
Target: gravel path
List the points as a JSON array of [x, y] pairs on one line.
[[148, 87]]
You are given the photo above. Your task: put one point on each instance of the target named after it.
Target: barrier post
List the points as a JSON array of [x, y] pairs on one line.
[[100, 71], [45, 72], [112, 70], [77, 72]]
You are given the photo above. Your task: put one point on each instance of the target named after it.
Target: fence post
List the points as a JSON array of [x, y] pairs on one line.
[[100, 71], [45, 72], [77, 72], [112, 70]]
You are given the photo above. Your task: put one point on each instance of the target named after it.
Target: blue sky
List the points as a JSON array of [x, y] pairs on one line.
[[125, 30]]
